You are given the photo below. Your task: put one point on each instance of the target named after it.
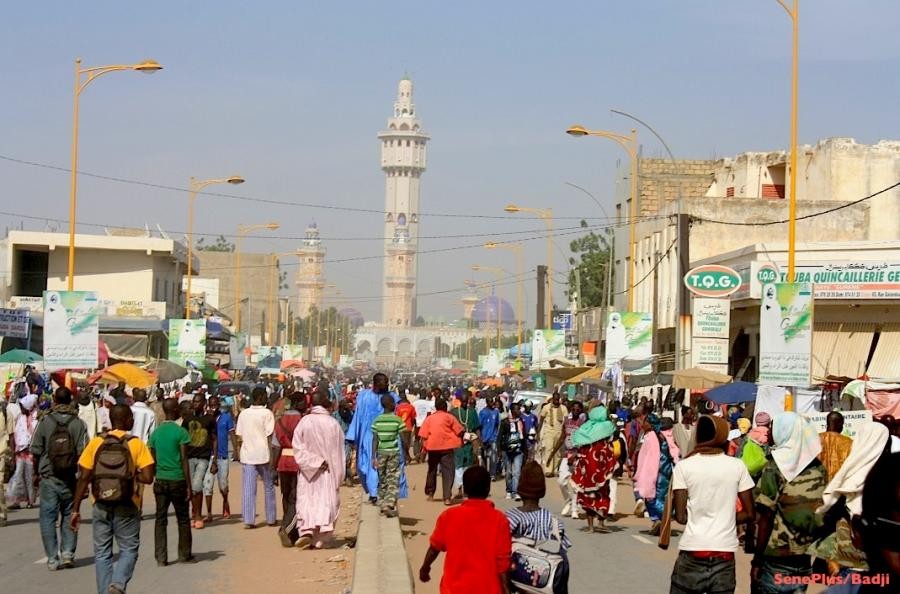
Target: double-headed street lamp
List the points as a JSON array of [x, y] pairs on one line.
[[545, 214], [242, 230], [630, 144], [84, 77], [517, 248], [195, 188]]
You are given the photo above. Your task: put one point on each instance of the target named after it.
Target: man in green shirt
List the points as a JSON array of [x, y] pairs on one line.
[[168, 444], [386, 430]]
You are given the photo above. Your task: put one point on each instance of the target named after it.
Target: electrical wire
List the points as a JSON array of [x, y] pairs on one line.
[[652, 269], [800, 218]]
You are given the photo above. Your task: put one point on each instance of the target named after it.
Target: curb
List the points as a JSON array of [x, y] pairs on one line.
[[380, 565]]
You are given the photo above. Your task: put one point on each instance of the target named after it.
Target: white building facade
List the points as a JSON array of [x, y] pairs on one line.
[[403, 157]]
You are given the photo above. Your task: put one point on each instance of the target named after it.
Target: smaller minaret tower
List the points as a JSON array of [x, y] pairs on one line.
[[310, 275]]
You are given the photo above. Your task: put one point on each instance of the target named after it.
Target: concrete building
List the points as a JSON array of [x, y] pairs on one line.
[[391, 346], [256, 277], [403, 160], [311, 273], [136, 269]]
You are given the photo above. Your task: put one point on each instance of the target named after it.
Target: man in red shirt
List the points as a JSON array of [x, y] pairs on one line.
[[441, 433], [407, 413], [472, 564], [286, 466]]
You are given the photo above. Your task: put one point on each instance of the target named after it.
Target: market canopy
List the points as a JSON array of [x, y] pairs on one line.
[[697, 378], [733, 393], [594, 373], [132, 375], [20, 356], [167, 371]]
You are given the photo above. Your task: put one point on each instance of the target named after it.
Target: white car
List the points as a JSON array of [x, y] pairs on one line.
[[536, 398]]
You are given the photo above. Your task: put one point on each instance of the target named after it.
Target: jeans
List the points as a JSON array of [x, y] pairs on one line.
[[221, 476], [21, 484], [197, 468], [248, 497], [489, 458], [692, 575], [782, 567], [176, 493], [56, 503], [122, 523], [288, 482], [444, 460], [513, 470]]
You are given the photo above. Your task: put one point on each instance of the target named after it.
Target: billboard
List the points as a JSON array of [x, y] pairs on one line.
[[785, 340], [268, 359], [629, 335], [562, 320], [187, 342], [237, 346], [547, 344], [71, 329], [831, 280], [291, 352]]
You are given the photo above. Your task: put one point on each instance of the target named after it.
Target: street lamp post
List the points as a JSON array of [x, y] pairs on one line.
[[84, 77], [630, 144], [545, 214], [196, 186], [242, 230], [518, 249]]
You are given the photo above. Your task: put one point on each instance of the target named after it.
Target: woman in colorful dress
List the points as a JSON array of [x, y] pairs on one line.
[[592, 462], [464, 456], [654, 471]]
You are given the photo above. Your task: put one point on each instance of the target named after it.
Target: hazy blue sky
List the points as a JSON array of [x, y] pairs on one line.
[[292, 94]]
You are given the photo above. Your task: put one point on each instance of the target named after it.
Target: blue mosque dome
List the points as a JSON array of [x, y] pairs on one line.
[[352, 314], [487, 308]]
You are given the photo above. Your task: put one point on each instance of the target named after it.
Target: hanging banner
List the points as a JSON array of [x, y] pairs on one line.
[[629, 335], [71, 329], [785, 341], [268, 359], [237, 345], [187, 342], [547, 344], [709, 337], [14, 323]]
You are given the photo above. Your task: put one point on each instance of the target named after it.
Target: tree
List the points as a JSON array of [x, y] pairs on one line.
[[592, 256], [221, 245]]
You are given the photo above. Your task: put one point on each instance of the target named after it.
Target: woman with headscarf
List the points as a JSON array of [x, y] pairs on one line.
[[592, 462], [870, 443], [786, 497], [667, 427], [21, 490], [654, 471]]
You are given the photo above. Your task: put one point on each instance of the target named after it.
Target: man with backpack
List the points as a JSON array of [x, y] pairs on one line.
[[112, 464], [58, 441]]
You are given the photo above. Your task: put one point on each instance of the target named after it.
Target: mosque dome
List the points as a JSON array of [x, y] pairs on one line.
[[485, 311], [352, 314]]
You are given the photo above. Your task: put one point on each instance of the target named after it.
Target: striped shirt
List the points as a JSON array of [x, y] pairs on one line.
[[536, 525], [387, 428]]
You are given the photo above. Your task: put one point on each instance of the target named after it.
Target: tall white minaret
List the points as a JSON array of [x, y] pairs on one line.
[[403, 161]]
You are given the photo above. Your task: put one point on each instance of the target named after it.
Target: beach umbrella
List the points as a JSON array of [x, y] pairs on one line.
[[20, 356], [129, 373], [733, 393]]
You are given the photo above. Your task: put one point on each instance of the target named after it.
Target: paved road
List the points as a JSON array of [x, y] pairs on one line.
[[624, 560], [231, 559]]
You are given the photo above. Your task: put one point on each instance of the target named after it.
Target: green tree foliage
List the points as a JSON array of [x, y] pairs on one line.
[[220, 245], [591, 252]]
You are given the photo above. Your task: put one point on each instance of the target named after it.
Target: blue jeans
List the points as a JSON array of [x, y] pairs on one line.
[[122, 523], [788, 570], [56, 503], [513, 470], [691, 574]]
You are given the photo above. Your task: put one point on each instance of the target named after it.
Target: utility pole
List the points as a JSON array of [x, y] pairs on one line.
[[541, 296], [683, 330]]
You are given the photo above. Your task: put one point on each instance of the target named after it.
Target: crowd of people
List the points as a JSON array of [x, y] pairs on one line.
[[802, 503]]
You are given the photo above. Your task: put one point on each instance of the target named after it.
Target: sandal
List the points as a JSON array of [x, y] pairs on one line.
[[448, 502], [198, 524]]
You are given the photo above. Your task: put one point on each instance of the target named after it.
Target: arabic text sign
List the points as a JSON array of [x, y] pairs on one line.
[[785, 342], [71, 329], [845, 280], [14, 323]]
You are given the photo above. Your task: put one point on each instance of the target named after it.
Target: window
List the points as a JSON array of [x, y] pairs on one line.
[[729, 192]]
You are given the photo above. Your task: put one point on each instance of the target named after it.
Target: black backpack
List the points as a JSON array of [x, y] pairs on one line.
[[61, 449], [113, 478]]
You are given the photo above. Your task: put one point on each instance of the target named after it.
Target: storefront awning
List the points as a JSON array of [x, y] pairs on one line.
[[592, 373], [841, 348], [886, 359]]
